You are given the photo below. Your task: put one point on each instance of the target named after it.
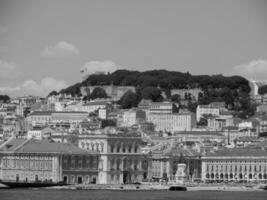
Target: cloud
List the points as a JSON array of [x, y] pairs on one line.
[[98, 66], [31, 87], [256, 69], [61, 49], [8, 70]]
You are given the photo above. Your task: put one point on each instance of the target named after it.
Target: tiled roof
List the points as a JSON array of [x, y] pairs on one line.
[[42, 146]]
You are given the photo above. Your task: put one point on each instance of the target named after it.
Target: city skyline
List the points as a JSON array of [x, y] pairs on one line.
[[43, 45]]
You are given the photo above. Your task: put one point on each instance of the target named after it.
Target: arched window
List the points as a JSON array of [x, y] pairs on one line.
[[123, 148], [112, 148], [135, 148], [118, 147], [129, 148]]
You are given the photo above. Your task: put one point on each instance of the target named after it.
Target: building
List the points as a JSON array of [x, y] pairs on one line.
[[161, 107], [185, 93], [262, 109], [131, 117], [214, 109], [39, 118], [23, 160], [217, 123], [39, 133], [120, 158], [94, 106], [166, 160], [172, 122], [235, 165]]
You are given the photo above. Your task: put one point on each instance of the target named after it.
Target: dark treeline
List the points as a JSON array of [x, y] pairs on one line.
[[234, 90], [4, 98], [263, 89], [162, 78]]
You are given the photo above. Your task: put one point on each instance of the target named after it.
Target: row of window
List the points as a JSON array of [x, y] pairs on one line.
[[27, 164]]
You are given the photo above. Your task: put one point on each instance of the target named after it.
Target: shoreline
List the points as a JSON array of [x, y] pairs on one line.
[[155, 187]]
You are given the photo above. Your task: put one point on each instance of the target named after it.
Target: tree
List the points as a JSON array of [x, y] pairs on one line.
[[4, 98], [152, 93], [53, 93], [98, 92], [129, 100], [176, 98], [263, 89]]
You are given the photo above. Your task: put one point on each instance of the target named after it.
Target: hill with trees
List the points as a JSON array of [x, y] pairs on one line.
[[233, 90]]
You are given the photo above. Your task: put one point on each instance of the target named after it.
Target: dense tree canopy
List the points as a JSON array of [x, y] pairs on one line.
[[152, 93], [98, 92], [53, 93], [263, 89], [129, 100], [4, 98]]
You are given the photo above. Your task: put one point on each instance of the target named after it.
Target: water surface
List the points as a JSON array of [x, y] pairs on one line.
[[28, 194]]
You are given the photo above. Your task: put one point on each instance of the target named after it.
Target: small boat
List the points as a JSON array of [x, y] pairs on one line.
[[177, 188], [14, 184]]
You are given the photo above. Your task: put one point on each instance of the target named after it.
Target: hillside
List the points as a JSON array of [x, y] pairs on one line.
[[233, 90]]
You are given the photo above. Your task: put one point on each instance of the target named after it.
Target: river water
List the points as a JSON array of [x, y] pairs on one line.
[[28, 194]]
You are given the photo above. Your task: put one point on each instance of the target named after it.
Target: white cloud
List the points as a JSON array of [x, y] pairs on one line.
[[61, 49], [256, 69], [8, 70], [98, 66], [31, 87]]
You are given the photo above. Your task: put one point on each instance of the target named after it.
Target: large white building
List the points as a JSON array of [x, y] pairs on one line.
[[235, 165], [121, 160], [172, 122]]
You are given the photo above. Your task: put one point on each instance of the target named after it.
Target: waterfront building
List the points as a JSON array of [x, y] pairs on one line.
[[235, 165], [172, 122], [166, 159], [23, 160], [121, 160]]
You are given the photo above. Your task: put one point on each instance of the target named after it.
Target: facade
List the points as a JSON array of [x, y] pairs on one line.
[[161, 107], [94, 106], [120, 158], [193, 93], [235, 165], [214, 109], [39, 118], [172, 122], [24, 160], [217, 123], [113, 91], [131, 117], [165, 162]]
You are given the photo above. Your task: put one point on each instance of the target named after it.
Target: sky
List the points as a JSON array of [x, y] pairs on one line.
[[45, 44]]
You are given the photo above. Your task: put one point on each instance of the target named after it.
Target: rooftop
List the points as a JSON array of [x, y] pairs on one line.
[[238, 152], [40, 146]]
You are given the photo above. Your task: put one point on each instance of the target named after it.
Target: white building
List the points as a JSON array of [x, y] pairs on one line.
[[213, 109], [172, 122], [131, 117]]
